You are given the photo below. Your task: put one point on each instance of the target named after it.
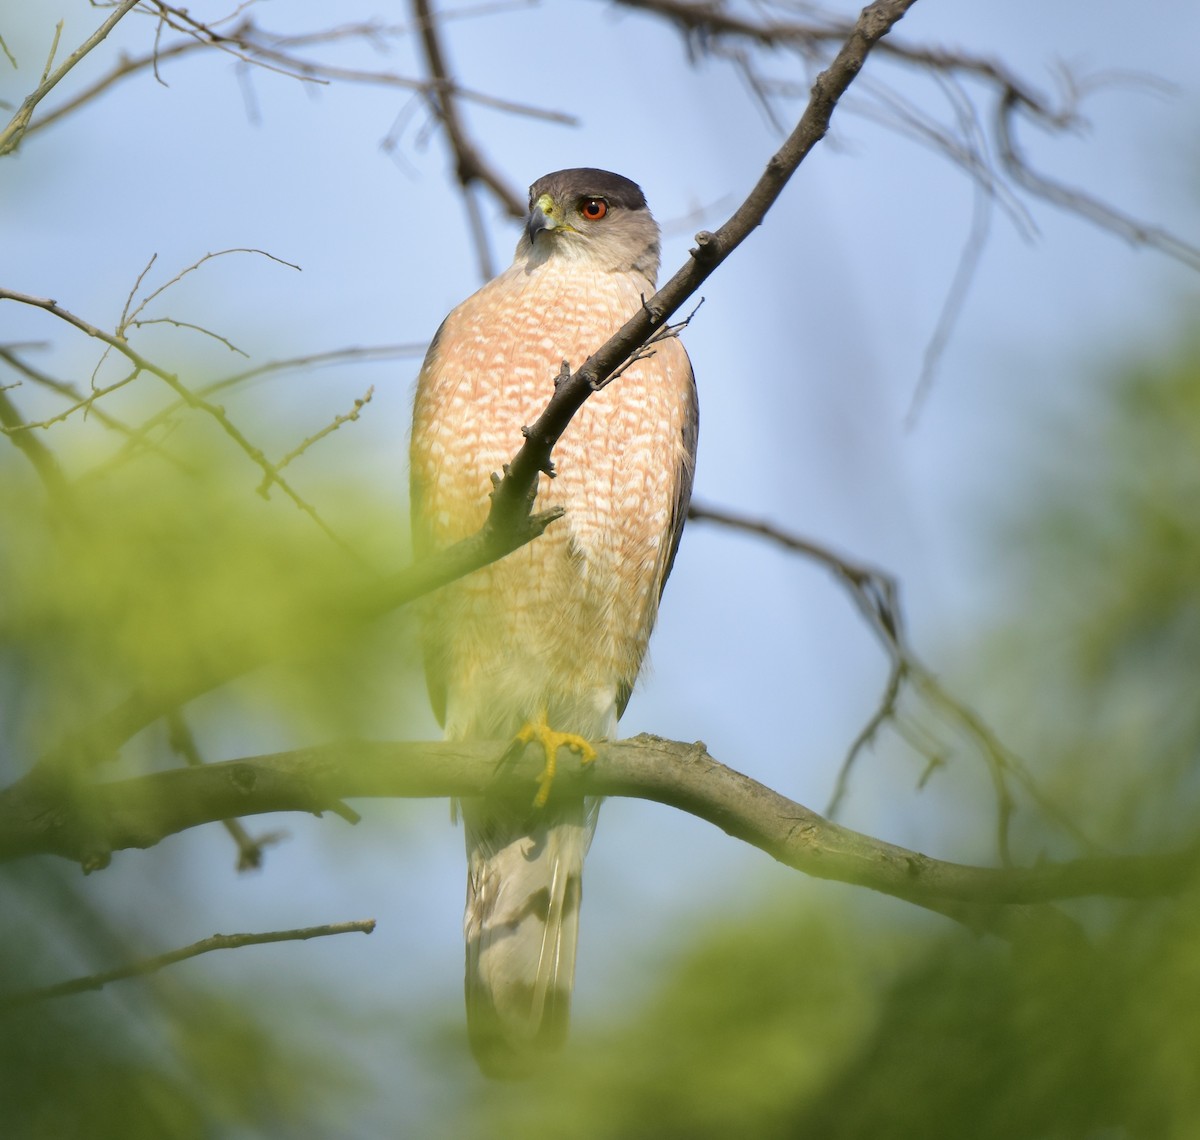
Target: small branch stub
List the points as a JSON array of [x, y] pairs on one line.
[[707, 247]]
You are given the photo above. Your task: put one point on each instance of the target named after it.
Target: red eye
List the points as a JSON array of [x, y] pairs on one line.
[[593, 208]]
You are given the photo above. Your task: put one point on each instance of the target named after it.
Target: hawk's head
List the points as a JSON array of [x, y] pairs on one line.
[[594, 215]]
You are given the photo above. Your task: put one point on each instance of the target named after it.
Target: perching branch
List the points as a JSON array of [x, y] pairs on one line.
[[137, 813]]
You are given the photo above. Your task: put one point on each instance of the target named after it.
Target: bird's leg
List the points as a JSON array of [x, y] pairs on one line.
[[551, 741]]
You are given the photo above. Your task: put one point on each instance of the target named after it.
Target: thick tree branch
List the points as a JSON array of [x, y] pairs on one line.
[[137, 813], [249, 849]]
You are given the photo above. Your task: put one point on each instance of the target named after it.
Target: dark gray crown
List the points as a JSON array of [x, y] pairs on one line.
[[588, 182]]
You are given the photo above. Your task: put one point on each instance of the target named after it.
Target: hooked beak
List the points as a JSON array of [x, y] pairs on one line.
[[544, 214]]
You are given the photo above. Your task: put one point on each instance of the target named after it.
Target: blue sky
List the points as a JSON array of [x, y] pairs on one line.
[[807, 351]]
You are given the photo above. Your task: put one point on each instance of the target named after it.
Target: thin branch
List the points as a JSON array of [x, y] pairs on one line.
[[160, 961], [38, 454], [80, 403], [139, 436], [177, 324], [337, 422], [68, 390], [10, 137], [260, 46], [130, 317], [1076, 201], [711, 25], [876, 595], [952, 305], [191, 398], [470, 166]]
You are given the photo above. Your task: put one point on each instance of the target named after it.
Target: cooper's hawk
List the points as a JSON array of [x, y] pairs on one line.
[[554, 634]]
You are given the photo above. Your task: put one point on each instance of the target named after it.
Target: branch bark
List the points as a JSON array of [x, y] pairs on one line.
[[137, 813]]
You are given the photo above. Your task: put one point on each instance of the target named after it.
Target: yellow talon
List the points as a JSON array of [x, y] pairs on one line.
[[551, 741]]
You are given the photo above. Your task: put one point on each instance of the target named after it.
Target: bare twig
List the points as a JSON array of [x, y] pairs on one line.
[[160, 961], [140, 436], [667, 332], [69, 391], [337, 422], [469, 164], [177, 324], [38, 454], [11, 135], [80, 403], [1002, 174], [187, 395], [129, 317], [712, 24], [876, 595], [1076, 201], [257, 45]]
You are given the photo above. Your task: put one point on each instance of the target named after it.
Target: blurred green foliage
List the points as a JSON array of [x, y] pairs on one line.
[[1100, 661], [159, 1059], [172, 577], [164, 573], [843, 1026]]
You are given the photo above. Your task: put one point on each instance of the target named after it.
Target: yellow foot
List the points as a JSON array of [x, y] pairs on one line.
[[551, 742]]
